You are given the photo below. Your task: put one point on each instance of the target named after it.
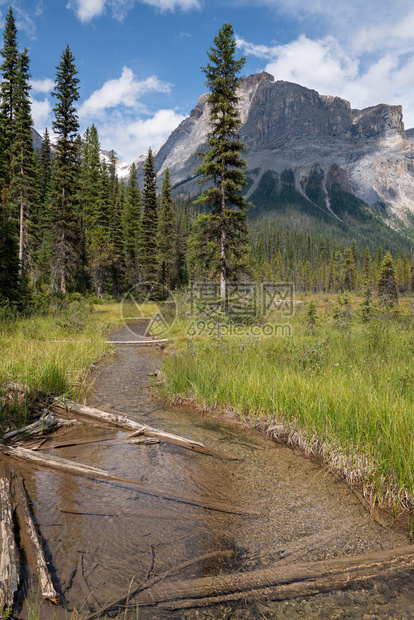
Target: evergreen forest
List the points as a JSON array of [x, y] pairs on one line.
[[70, 226]]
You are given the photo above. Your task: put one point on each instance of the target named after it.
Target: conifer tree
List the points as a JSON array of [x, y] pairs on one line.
[[312, 316], [63, 204], [387, 285], [9, 261], [222, 166], [166, 241], [131, 226], [348, 270], [116, 235], [45, 167], [9, 70], [367, 303], [147, 260], [366, 269], [90, 181], [23, 193]]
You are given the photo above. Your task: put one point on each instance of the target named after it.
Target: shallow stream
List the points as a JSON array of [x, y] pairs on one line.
[[105, 540]]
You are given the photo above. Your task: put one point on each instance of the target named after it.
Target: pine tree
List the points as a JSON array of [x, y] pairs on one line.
[[116, 236], [387, 285], [131, 226], [147, 260], [222, 165], [63, 204], [90, 181], [166, 242], [45, 167], [9, 260], [9, 70], [23, 194], [312, 316], [367, 303], [366, 268], [348, 270]]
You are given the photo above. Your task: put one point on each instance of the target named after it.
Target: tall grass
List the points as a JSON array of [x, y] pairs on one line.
[[51, 353], [350, 390]]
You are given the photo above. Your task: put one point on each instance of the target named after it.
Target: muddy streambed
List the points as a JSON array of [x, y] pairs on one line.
[[104, 540]]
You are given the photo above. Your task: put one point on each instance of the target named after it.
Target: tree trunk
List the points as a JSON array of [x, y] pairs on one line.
[[66, 466], [9, 554], [111, 419], [223, 274], [279, 582], [33, 546]]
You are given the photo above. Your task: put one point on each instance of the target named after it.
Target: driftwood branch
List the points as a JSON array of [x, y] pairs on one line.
[[66, 466], [279, 582], [9, 554], [81, 442], [32, 541], [46, 423], [111, 419], [149, 583]]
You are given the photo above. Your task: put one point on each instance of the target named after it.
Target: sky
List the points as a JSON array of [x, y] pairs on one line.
[[139, 61]]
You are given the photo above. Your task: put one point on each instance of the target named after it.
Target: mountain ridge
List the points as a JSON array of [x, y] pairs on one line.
[[366, 153]]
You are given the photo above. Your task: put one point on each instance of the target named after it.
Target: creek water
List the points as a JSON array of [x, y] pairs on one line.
[[104, 540]]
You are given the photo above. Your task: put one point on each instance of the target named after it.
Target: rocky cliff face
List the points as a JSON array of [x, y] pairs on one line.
[[288, 127]]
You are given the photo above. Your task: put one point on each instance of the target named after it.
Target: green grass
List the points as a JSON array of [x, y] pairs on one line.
[[51, 353], [351, 388]]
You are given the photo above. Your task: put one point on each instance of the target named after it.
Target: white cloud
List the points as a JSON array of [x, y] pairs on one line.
[[344, 18], [324, 65], [171, 5], [41, 114], [125, 90], [388, 35], [86, 10], [132, 138], [42, 86], [320, 64]]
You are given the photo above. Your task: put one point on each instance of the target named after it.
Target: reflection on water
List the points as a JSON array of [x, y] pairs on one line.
[[105, 539]]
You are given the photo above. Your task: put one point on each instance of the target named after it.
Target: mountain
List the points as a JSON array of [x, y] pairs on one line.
[[309, 154]]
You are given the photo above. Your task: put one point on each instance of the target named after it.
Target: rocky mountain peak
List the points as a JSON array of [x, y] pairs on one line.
[[286, 126]]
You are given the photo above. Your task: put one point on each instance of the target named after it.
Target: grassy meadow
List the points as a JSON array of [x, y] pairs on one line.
[[342, 389], [51, 353]]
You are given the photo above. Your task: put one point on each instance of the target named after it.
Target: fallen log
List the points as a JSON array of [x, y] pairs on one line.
[[44, 424], [279, 583], [33, 545], [9, 554], [139, 342], [82, 442], [145, 585], [111, 419], [47, 461]]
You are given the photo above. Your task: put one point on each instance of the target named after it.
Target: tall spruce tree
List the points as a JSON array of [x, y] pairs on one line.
[[23, 192], [166, 233], [9, 262], [9, 71], [222, 166], [63, 204], [131, 226], [387, 284], [45, 167], [90, 181], [147, 263]]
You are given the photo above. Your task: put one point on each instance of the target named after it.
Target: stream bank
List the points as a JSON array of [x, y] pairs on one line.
[[103, 540]]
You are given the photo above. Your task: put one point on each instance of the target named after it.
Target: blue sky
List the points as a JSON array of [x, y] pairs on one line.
[[139, 60]]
